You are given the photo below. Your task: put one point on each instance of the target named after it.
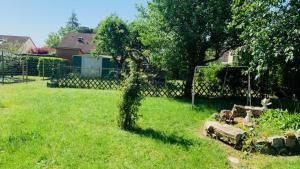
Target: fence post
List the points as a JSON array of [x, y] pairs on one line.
[[23, 69], [3, 75], [249, 101], [43, 69], [27, 68]]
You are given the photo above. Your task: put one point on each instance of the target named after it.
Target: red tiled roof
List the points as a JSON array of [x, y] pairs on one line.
[[14, 39], [82, 41]]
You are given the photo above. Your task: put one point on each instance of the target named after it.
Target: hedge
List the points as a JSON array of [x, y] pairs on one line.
[[48, 66], [32, 62]]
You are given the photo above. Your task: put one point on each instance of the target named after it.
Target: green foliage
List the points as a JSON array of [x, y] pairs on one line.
[[50, 66], [280, 119], [112, 38], [53, 40], [210, 73], [84, 29], [32, 62], [181, 32], [131, 99], [269, 31], [10, 48], [72, 25]]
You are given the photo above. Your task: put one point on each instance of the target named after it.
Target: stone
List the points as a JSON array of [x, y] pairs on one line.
[[238, 111], [239, 120], [276, 141], [216, 116], [233, 160], [249, 116], [224, 132], [209, 127], [262, 142], [263, 146], [226, 116], [290, 142], [256, 111], [283, 151], [298, 134], [241, 111]]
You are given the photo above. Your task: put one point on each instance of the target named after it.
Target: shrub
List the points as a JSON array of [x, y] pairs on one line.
[[32, 63], [210, 73], [280, 119], [131, 98], [49, 66]]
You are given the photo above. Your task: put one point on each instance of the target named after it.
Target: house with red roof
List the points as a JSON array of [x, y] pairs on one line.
[[75, 44], [77, 48]]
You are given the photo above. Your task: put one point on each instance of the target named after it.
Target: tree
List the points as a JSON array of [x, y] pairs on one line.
[[84, 29], [270, 31], [11, 48], [132, 92], [186, 30], [112, 38], [73, 23], [270, 35], [53, 40]]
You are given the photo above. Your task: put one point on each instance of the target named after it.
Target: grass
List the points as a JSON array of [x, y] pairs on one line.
[[71, 128]]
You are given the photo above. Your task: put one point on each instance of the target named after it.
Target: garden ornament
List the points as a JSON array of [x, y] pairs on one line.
[[248, 119], [265, 103]]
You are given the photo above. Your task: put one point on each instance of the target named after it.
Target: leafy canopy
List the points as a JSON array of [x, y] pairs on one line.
[[72, 25], [112, 38], [179, 33], [270, 33]]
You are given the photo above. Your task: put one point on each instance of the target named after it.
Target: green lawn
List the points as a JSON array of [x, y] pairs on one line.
[[72, 128]]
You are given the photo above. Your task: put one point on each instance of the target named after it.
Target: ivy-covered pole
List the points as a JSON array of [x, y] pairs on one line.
[[131, 94]]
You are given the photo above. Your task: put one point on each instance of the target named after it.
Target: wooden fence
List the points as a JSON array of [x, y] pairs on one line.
[[168, 89]]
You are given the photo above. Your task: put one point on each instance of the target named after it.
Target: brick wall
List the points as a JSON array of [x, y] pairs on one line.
[[67, 53]]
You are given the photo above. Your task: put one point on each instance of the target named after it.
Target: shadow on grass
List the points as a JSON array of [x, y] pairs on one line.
[[216, 103], [167, 139], [13, 80]]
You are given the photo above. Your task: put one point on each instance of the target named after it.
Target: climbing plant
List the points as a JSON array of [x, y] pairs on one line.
[[131, 94]]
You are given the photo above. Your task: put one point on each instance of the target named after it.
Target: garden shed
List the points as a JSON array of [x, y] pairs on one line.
[[94, 67]]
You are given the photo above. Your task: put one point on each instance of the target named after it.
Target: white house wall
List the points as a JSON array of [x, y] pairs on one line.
[[27, 46]]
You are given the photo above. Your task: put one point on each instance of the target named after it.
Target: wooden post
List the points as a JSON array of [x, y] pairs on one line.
[[3, 75], [27, 65], [43, 69], [23, 70], [249, 101]]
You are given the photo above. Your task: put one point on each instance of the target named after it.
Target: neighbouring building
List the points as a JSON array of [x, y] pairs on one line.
[[25, 42], [75, 44], [77, 48], [227, 58]]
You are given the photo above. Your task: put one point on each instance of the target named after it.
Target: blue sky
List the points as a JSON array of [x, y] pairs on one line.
[[37, 18]]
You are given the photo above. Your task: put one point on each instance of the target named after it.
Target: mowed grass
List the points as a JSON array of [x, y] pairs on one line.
[[67, 128], [72, 128]]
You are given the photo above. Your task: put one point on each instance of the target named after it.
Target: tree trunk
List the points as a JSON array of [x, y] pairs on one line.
[[195, 59], [189, 81]]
